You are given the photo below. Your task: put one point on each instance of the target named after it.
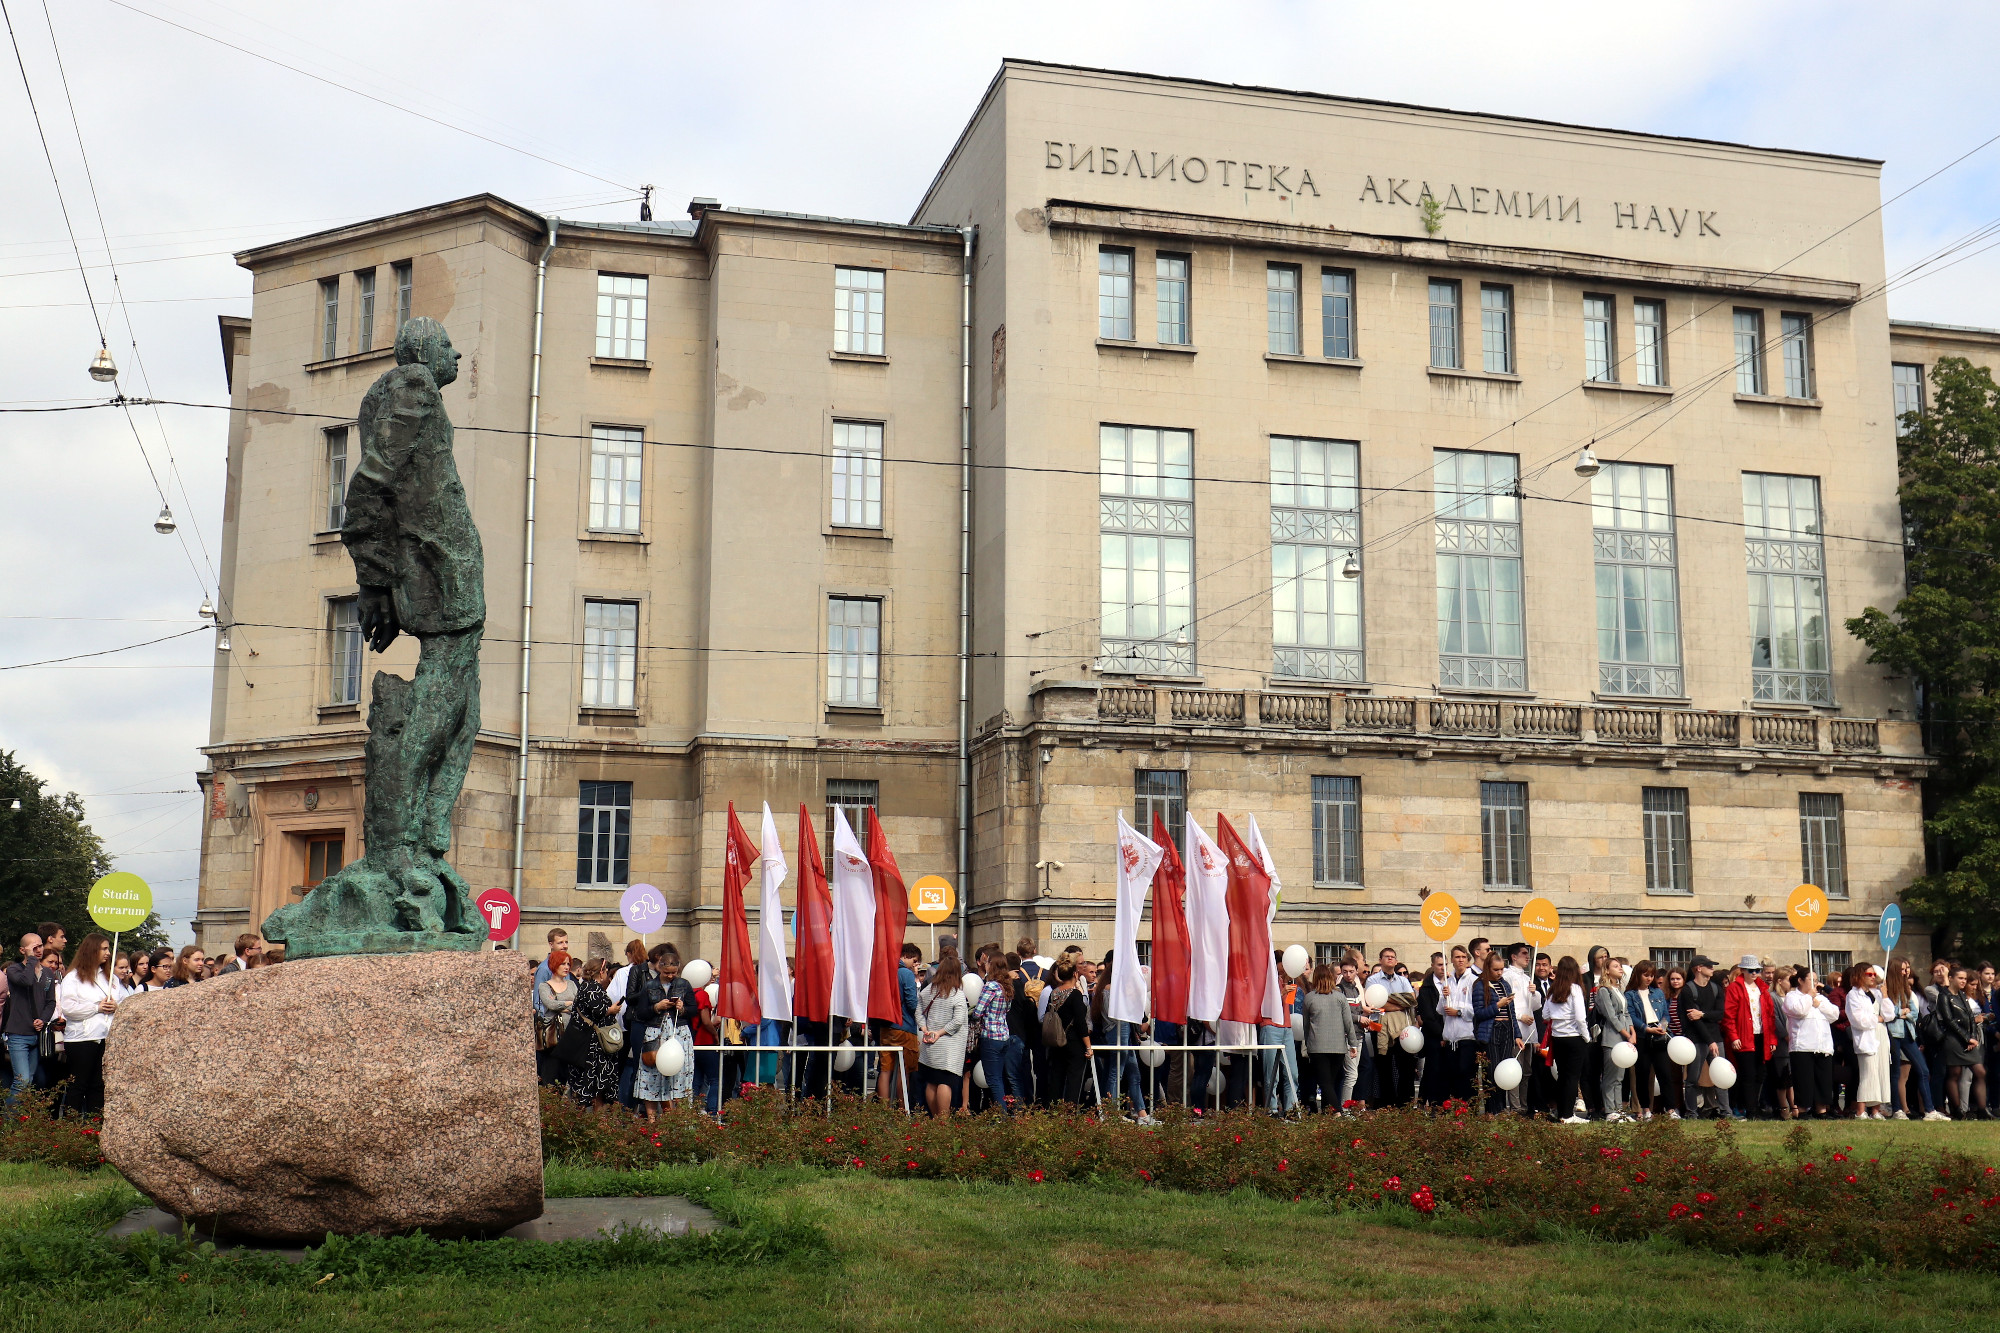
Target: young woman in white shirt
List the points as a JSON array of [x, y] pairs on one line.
[[1865, 1013], [1569, 1036], [86, 998], [1809, 1019]]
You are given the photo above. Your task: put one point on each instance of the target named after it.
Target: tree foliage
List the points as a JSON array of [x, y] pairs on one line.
[[49, 858], [1945, 636]]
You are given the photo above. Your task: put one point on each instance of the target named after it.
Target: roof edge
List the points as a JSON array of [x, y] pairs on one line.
[[529, 222]]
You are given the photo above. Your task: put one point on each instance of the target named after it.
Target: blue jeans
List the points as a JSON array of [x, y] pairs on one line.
[[1908, 1051], [1019, 1083], [993, 1059], [24, 1061], [708, 1078], [1281, 1068]]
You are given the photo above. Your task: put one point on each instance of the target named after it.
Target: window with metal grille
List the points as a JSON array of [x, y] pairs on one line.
[[858, 304], [405, 288], [1789, 660], [1162, 792], [610, 654], [1114, 293], [336, 479], [1909, 385], [621, 316], [603, 834], [1830, 962], [1170, 298], [1336, 313], [1315, 530], [329, 318], [1748, 326], [1664, 959], [1503, 834], [853, 651], [1281, 308], [617, 455], [857, 474], [1823, 849], [1331, 952], [364, 310], [1649, 342], [1795, 332], [1496, 329], [1146, 550], [1336, 810], [1446, 348], [1638, 608], [1664, 811], [854, 798], [1600, 340], [344, 656], [1481, 642], [1145, 948]]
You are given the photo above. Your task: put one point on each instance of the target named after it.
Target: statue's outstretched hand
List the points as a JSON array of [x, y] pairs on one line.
[[378, 618]]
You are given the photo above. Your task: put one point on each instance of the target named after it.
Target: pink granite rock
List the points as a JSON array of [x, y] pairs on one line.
[[364, 1094]]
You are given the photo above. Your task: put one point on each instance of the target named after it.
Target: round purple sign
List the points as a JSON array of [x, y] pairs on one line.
[[643, 908]]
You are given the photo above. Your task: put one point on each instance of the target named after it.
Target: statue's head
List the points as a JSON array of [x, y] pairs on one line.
[[424, 341]]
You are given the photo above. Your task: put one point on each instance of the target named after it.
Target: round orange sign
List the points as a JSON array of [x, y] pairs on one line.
[[931, 899], [1539, 922], [1440, 916], [1806, 908]]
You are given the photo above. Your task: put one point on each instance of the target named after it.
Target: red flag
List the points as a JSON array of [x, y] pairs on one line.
[[1248, 898], [812, 924], [1170, 931], [736, 978], [892, 914]]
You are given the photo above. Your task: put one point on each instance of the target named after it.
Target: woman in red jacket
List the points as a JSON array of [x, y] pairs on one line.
[[1750, 1027]]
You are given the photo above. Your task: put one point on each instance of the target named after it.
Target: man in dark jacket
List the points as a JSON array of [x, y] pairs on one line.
[[1436, 1081], [1701, 1020], [31, 1004]]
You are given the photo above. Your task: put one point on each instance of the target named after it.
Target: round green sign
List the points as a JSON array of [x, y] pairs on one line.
[[120, 901]]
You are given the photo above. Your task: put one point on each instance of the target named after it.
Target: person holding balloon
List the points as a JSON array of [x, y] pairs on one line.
[[1750, 1023], [1493, 1025], [1333, 1036], [1616, 1033]]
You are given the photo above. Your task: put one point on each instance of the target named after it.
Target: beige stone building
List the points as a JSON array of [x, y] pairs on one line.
[[1283, 411]]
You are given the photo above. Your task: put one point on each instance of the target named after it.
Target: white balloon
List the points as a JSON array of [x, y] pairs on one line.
[[698, 973], [671, 1059], [1624, 1055], [1152, 1054], [972, 986], [1681, 1051], [1412, 1039], [711, 990], [1043, 960], [1215, 1083], [1721, 1073], [843, 1056], [1507, 1075], [1375, 996], [979, 1075], [1297, 960]]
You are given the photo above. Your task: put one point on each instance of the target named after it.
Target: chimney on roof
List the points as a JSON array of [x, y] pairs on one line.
[[700, 204]]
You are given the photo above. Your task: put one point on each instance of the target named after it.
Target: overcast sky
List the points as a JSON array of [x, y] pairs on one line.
[[199, 150]]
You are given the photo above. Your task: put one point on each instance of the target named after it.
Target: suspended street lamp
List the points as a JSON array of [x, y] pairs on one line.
[[1352, 568], [164, 524], [102, 368], [1586, 462]]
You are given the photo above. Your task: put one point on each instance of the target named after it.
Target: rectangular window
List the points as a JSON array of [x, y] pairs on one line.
[[1823, 849], [857, 474], [621, 316], [1649, 342], [1665, 812], [325, 854], [1445, 343], [1638, 602], [1496, 329], [344, 659], [1281, 308], [1481, 639], [329, 319], [1503, 834], [405, 290], [858, 295], [336, 479], [617, 453], [1146, 550], [1663, 959], [1336, 807], [1162, 792], [1315, 530], [853, 651], [854, 798], [364, 310], [1830, 963], [610, 654], [1170, 289], [1600, 340], [1336, 313], [1789, 660], [603, 834], [1114, 294], [1795, 332], [1749, 329], [1909, 385]]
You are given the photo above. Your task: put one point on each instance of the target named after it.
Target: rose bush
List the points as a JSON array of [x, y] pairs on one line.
[[29, 1133]]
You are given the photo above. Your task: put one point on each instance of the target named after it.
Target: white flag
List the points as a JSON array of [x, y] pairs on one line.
[[1208, 924], [774, 981], [853, 921], [1274, 993], [1138, 858]]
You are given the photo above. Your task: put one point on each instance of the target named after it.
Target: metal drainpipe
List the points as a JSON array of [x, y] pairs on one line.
[[528, 573], [968, 235]]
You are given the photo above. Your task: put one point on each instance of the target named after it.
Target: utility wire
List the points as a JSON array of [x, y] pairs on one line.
[[28, 87]]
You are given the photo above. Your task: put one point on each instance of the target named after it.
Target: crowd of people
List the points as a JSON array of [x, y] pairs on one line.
[[1605, 1039]]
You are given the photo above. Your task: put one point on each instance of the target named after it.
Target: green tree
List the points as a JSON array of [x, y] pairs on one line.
[[49, 858], [1945, 636]]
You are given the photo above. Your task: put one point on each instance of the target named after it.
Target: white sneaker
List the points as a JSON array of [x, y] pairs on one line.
[[1576, 1120], [1936, 1115], [1900, 1115], [1147, 1120], [1673, 1115]]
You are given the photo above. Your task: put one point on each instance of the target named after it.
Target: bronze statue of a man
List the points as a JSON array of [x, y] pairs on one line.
[[417, 559]]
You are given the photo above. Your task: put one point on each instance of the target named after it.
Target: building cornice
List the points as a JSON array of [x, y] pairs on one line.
[[526, 222]]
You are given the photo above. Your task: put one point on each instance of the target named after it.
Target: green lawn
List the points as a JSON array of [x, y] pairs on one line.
[[1873, 1138], [932, 1255]]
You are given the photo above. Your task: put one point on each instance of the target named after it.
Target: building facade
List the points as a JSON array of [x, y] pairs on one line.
[[1475, 501]]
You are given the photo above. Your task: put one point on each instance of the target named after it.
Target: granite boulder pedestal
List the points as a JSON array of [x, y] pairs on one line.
[[369, 1094]]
